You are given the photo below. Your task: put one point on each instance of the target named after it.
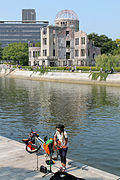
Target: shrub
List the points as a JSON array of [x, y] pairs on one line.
[[117, 69], [87, 68], [96, 75]]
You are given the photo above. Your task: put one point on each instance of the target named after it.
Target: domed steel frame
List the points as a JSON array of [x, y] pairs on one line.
[[67, 14]]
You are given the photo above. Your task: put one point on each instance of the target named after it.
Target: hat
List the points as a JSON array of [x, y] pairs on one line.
[[61, 126]]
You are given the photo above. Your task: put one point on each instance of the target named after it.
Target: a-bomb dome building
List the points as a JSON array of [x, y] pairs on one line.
[[63, 44], [67, 18]]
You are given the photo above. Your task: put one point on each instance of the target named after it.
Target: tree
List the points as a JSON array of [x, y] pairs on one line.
[[18, 52], [107, 62], [106, 44], [38, 44], [117, 42], [1, 51], [116, 51]]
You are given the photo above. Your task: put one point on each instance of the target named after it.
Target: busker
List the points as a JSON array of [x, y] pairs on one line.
[[60, 141]]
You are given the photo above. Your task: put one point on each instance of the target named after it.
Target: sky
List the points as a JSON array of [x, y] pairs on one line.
[[98, 16]]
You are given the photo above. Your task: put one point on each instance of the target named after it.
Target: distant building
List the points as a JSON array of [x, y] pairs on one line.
[[63, 44], [27, 30], [28, 15]]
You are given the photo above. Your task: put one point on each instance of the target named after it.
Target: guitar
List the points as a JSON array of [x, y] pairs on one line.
[[59, 146]]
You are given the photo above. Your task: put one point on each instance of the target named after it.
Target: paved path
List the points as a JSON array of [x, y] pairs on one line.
[[17, 164]]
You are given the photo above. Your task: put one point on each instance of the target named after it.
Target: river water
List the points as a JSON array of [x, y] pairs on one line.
[[91, 115]]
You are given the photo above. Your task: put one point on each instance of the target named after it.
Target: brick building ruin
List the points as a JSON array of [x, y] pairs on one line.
[[63, 44]]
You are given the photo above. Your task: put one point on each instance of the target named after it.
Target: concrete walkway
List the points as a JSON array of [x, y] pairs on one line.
[[17, 164]]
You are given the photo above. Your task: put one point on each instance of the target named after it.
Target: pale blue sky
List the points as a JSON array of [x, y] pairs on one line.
[[99, 16]]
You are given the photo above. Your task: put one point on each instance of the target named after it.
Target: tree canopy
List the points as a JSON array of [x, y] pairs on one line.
[[1, 51], [18, 52], [106, 44], [118, 42], [38, 44], [107, 61]]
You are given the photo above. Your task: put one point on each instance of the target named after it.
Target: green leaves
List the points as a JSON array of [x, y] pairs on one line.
[[18, 52], [1, 51], [101, 75], [38, 44], [106, 44], [107, 61]]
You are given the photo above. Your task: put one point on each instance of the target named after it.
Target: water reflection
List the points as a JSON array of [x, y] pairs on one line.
[[90, 114]]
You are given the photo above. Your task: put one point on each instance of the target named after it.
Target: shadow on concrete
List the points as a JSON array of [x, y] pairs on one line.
[[84, 168], [17, 173], [12, 173]]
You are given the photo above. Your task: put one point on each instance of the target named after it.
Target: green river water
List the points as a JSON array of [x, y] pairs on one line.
[[91, 115]]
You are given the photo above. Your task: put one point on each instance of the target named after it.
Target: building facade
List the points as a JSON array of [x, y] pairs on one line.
[[28, 15], [63, 44], [27, 30]]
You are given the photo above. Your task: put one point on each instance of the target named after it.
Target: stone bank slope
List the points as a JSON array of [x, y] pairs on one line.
[[17, 164], [76, 77]]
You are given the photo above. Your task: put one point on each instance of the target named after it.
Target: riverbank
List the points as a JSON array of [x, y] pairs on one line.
[[16, 163], [67, 77]]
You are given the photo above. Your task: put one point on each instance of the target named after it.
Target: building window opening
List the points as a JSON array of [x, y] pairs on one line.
[[67, 55], [44, 41], [70, 63], [93, 55], [43, 63], [52, 64], [68, 44], [88, 52], [34, 54], [35, 63], [44, 31], [45, 52], [64, 63], [38, 53], [53, 52], [67, 33], [77, 41], [76, 53], [82, 52], [82, 40]]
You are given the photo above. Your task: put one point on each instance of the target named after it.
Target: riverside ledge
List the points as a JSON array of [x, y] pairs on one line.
[[17, 164], [68, 77]]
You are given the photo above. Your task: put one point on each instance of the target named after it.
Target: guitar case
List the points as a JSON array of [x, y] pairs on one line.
[[64, 176]]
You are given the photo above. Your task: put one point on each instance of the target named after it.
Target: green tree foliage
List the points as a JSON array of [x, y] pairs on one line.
[[1, 51], [18, 52], [107, 61], [117, 42], [117, 50], [106, 44], [38, 44]]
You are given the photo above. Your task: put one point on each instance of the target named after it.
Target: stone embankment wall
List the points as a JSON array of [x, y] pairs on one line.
[[76, 77]]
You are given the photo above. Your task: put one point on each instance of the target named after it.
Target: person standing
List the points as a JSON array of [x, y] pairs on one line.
[[61, 141]]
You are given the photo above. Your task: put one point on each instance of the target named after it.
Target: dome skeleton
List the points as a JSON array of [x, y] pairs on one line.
[[67, 14]]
